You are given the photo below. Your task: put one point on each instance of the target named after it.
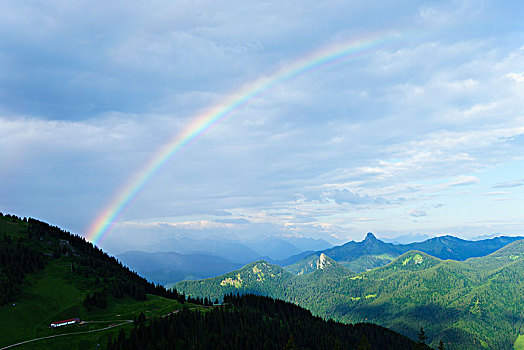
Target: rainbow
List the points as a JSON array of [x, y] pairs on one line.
[[203, 122]]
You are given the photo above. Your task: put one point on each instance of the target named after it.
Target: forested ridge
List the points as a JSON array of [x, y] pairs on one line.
[[256, 322], [472, 304], [28, 244]]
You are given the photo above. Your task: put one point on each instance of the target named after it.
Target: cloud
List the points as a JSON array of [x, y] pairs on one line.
[[233, 221], [518, 77], [508, 184], [464, 180], [417, 213], [352, 197], [496, 193]]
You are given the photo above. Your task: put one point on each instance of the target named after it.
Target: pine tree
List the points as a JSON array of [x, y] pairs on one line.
[[421, 338], [363, 344], [290, 345]]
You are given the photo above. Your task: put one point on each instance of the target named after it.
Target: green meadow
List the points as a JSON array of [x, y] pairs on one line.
[[54, 294]]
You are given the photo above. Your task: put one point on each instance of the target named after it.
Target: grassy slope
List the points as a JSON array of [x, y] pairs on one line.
[[519, 343], [55, 293]]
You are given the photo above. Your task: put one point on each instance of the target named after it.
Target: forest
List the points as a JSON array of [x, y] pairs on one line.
[[257, 322]]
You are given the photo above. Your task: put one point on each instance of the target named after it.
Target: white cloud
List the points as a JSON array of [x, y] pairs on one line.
[[464, 181], [417, 213]]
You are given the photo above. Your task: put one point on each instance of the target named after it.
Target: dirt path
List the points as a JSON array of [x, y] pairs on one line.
[[84, 332], [65, 334]]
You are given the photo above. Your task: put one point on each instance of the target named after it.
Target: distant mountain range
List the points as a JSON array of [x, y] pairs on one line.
[[372, 252], [198, 258], [476, 303], [168, 267]]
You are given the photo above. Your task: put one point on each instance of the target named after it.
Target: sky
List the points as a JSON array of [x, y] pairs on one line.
[[421, 132]]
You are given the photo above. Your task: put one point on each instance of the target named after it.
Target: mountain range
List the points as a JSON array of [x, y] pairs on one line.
[[199, 258], [372, 252], [202, 258], [476, 302]]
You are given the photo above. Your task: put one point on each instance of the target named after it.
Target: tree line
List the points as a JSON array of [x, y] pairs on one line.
[[255, 322], [34, 243]]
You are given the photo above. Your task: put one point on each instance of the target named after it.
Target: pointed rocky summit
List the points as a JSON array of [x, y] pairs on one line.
[[370, 237]]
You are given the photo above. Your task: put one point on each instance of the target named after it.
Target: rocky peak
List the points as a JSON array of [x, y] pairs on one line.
[[323, 261], [370, 238]]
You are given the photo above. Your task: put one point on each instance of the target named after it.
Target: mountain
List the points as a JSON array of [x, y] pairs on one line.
[[293, 259], [369, 246], [273, 247], [305, 244], [259, 277], [372, 252], [313, 263], [472, 304], [233, 251], [449, 247], [171, 267]]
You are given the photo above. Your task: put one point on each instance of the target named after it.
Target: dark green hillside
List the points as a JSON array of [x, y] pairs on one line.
[[410, 261], [366, 263], [259, 277], [304, 266], [255, 322], [473, 304], [500, 258], [50, 275]]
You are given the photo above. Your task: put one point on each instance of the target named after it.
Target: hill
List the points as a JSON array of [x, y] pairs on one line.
[[259, 277], [472, 304], [255, 322], [48, 275]]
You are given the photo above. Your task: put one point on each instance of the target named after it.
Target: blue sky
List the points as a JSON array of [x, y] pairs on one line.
[[422, 134]]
